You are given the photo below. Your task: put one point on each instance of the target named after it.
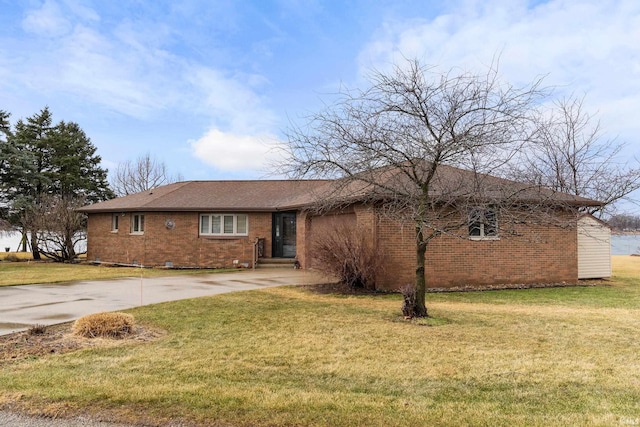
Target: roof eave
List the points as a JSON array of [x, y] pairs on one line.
[[181, 209]]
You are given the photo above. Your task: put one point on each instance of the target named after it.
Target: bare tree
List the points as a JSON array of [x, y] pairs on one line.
[[61, 226], [145, 173], [420, 144], [570, 154]]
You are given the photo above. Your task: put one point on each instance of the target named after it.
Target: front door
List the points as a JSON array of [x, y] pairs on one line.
[[284, 235]]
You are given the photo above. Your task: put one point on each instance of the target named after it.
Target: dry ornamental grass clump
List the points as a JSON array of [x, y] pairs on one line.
[[104, 325]]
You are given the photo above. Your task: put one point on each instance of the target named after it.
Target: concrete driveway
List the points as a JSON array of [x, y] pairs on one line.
[[24, 306]]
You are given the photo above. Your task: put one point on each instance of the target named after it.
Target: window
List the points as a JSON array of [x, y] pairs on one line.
[[137, 223], [115, 221], [224, 225], [483, 223]]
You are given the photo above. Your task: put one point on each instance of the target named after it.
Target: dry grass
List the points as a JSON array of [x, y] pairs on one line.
[[60, 339], [104, 325], [626, 266], [15, 256], [289, 356]]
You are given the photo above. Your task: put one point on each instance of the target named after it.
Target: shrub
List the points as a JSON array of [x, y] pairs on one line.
[[349, 254], [105, 325], [37, 329]]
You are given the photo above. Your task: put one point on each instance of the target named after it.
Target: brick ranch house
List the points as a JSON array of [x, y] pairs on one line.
[[209, 224]]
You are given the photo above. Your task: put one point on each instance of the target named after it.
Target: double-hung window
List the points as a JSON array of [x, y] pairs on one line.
[[224, 225], [115, 223], [483, 223], [137, 223]]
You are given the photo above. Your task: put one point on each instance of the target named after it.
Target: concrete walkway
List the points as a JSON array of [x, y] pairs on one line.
[[24, 306]]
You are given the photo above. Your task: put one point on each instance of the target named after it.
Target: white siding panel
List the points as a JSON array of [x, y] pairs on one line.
[[594, 249]]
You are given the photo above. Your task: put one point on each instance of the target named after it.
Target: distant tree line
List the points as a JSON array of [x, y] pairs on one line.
[[625, 222]]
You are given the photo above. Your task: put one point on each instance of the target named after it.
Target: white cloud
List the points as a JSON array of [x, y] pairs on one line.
[[227, 151], [557, 37], [122, 68], [247, 142], [582, 47], [46, 21], [88, 65], [231, 101], [69, 54], [132, 67], [81, 10]]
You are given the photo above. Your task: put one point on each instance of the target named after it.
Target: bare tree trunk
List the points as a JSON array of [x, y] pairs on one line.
[[70, 250], [34, 245], [420, 307]]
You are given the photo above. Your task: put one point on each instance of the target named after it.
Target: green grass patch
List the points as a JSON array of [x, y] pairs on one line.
[[287, 356], [621, 291], [26, 273]]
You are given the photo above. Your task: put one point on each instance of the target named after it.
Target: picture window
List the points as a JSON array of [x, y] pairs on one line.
[[224, 225]]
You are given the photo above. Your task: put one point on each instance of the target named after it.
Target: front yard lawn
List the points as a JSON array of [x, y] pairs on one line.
[[291, 357]]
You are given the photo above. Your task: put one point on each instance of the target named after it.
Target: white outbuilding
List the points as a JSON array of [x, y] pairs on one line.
[[594, 248]]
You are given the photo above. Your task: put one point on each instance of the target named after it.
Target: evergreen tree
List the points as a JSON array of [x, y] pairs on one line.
[[23, 156], [5, 133], [39, 160], [5, 126], [75, 167]]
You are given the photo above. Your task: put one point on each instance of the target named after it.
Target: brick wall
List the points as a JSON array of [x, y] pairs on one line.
[[321, 225], [535, 254], [182, 246], [529, 254], [303, 234]]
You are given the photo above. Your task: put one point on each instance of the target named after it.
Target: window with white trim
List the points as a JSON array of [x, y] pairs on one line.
[[224, 225], [137, 223], [483, 223], [115, 222]]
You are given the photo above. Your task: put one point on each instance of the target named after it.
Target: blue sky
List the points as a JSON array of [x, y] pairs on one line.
[[209, 86]]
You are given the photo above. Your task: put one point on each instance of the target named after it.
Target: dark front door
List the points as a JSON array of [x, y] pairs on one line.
[[284, 235]]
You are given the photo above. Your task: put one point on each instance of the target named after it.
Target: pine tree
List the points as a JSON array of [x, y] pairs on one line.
[[40, 161]]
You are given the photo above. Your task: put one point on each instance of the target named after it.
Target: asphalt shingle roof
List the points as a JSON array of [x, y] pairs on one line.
[[449, 183], [265, 195]]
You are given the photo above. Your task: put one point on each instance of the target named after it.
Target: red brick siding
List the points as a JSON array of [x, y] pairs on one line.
[[539, 254], [535, 254], [303, 227], [181, 245], [397, 243], [323, 225]]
